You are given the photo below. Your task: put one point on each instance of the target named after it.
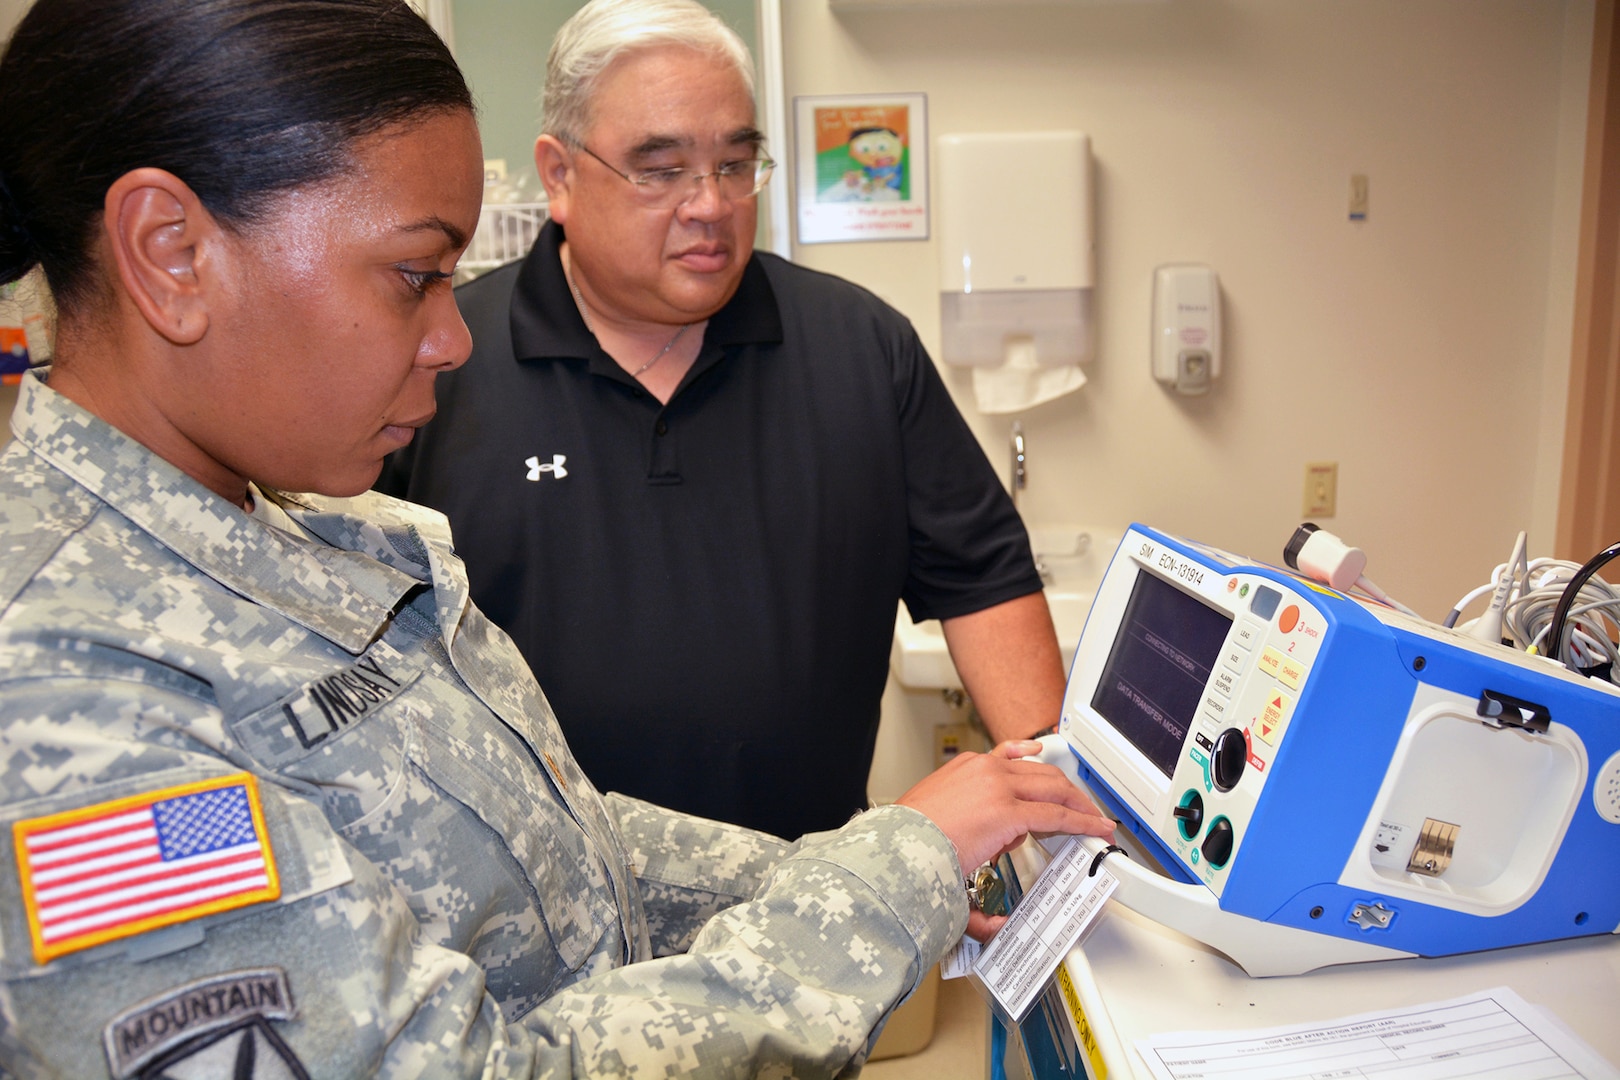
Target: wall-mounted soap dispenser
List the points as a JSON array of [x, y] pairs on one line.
[[1186, 327], [1016, 252]]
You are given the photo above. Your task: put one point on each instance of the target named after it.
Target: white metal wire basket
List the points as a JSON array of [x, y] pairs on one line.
[[505, 232]]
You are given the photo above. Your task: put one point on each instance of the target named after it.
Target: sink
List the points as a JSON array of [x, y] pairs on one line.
[[1075, 557]]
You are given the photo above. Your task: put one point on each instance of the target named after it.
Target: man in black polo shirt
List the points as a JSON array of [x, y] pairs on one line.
[[692, 480]]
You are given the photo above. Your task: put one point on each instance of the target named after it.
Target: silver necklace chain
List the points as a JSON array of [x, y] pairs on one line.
[[579, 302]]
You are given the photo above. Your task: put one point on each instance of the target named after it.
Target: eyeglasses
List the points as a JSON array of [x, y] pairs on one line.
[[666, 189]]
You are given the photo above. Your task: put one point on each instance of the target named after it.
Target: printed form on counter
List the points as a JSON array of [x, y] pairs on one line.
[[1493, 1033]]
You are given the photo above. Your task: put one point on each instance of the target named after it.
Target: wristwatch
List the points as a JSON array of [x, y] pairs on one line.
[[985, 891]]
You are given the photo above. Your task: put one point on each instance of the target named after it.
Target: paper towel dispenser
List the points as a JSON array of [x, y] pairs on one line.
[[1017, 263]]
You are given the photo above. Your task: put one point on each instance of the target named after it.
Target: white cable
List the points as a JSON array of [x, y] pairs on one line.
[[1593, 621], [1473, 594], [1365, 584], [1505, 583]]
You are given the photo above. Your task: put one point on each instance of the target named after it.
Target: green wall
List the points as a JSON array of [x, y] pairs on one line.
[[502, 44]]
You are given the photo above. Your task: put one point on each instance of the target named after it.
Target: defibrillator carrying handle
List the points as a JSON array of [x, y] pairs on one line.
[[1259, 948]]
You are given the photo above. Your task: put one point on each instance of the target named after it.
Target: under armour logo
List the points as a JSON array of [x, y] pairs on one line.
[[554, 467]]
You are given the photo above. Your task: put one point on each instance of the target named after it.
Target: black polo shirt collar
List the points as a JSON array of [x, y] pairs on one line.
[[546, 323]]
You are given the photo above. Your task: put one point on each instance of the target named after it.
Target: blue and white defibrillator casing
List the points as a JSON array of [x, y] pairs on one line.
[[1307, 764]]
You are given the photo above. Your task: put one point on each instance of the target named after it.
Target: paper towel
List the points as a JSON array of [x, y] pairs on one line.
[[1019, 382]]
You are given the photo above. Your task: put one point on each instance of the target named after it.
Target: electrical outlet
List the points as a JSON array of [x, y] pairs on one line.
[[952, 739], [1358, 197], [1321, 488]]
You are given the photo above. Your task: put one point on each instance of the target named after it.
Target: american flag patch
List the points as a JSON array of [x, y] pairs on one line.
[[123, 867]]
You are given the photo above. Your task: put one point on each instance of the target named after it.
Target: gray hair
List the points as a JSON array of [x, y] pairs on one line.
[[603, 30]]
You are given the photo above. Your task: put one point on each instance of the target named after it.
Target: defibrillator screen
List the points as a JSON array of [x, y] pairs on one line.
[[1167, 644]]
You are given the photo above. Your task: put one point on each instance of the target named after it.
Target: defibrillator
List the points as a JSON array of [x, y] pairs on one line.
[[1321, 779]]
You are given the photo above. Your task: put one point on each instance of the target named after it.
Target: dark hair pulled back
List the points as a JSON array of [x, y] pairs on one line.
[[241, 99]]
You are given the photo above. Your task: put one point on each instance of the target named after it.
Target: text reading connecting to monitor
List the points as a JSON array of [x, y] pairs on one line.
[[1326, 780]]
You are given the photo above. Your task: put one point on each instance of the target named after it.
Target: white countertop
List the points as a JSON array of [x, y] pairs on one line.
[[1135, 977]]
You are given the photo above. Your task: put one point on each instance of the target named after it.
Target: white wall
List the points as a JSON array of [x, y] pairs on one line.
[[1424, 350]]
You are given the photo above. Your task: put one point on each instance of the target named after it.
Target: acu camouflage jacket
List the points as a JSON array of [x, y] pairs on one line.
[[281, 802]]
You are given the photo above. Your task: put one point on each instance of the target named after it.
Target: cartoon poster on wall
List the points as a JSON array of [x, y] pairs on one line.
[[862, 167]]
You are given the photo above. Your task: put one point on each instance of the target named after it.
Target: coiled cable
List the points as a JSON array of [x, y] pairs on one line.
[[1558, 608]]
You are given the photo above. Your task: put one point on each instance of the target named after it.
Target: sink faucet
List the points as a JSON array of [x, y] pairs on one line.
[[1020, 478]]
